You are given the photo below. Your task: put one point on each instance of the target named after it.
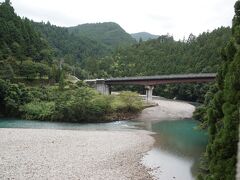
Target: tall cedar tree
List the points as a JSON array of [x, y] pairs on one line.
[[223, 111]]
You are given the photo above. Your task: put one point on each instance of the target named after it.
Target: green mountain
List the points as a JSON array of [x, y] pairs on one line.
[[71, 47], [144, 36], [22, 40], [108, 33]]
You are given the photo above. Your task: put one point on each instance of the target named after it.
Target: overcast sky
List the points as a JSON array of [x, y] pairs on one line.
[[176, 17]]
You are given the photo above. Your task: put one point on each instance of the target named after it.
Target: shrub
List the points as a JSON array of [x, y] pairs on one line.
[[38, 110], [127, 101]]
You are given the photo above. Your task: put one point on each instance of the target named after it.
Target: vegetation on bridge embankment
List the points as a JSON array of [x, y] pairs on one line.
[[74, 103]]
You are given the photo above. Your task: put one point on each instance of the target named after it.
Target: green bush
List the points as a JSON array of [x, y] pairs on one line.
[[127, 101], [38, 110], [12, 96]]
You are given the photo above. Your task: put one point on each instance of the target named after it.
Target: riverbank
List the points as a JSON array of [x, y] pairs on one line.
[[167, 110], [66, 154]]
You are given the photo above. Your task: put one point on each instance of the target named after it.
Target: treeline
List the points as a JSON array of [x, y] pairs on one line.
[[167, 56], [220, 112]]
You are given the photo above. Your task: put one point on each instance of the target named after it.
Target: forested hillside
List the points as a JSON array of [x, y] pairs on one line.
[[17, 37], [221, 112], [23, 51], [34, 50], [110, 34], [72, 48], [80, 46], [166, 56]]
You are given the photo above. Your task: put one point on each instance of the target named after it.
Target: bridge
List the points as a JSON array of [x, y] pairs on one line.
[[103, 85]]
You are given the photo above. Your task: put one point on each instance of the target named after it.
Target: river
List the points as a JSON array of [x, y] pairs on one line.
[[177, 148]]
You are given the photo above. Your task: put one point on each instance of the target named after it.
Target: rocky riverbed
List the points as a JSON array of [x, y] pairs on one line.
[[67, 154]]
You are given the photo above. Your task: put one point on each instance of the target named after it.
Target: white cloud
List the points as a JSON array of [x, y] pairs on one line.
[[179, 18]]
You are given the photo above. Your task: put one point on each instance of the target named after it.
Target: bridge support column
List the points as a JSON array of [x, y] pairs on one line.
[[149, 92], [102, 87]]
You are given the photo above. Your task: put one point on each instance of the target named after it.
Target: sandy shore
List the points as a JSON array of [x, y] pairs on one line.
[[167, 110], [66, 154]]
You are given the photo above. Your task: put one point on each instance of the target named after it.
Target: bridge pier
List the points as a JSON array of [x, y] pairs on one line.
[[149, 92], [102, 87]]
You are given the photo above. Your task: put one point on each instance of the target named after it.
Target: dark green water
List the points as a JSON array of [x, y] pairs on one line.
[[18, 123], [176, 151], [178, 147]]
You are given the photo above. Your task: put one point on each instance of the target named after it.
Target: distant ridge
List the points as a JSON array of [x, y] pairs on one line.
[[144, 36], [109, 33]]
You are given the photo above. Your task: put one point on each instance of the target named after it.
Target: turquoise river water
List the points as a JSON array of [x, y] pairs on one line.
[[176, 152]]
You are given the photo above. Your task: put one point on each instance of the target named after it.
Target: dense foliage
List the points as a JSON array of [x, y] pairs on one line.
[[12, 96], [18, 38], [71, 104], [23, 51], [221, 112], [167, 56]]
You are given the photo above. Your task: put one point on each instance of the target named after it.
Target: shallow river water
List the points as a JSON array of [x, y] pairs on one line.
[[176, 152]]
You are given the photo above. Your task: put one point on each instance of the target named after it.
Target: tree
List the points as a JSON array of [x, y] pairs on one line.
[[61, 81], [42, 70], [223, 112], [28, 69], [6, 70], [8, 2], [12, 96]]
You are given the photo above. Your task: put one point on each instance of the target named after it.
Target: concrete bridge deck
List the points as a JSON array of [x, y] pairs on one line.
[[102, 85], [163, 79]]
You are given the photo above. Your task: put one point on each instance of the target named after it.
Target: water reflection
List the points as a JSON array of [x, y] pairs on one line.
[[177, 149]]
